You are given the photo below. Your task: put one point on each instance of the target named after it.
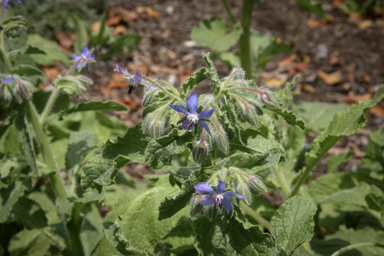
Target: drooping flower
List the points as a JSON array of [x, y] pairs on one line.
[[192, 116], [217, 197], [132, 81], [85, 57], [6, 3]]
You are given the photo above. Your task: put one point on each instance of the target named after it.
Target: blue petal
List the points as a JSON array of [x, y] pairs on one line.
[[75, 57], [18, 1], [180, 109], [207, 200], [185, 124], [205, 126], [192, 103], [85, 51], [206, 114], [9, 80], [137, 77], [118, 70], [232, 194], [220, 187], [202, 188], [227, 204], [92, 56]]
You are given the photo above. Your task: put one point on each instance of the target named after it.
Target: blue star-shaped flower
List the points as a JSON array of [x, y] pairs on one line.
[[6, 3], [192, 116], [217, 197], [84, 58]]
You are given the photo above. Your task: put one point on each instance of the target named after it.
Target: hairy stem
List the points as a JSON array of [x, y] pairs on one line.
[[354, 246], [244, 43], [3, 55], [46, 151], [229, 12], [249, 211], [283, 183]]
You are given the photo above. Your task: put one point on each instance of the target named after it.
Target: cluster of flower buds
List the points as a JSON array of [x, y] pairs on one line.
[[18, 87]]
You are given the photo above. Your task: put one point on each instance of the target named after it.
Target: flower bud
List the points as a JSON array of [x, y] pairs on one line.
[[257, 184], [268, 98], [155, 122], [219, 135], [196, 208], [201, 149], [5, 95], [22, 89]]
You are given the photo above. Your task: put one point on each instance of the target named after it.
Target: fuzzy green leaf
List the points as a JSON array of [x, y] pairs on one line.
[[24, 137], [288, 115], [159, 152], [53, 50], [98, 172], [91, 231], [105, 248], [29, 242], [293, 224], [69, 87], [97, 106], [30, 72], [29, 213], [215, 34], [27, 49], [192, 81], [81, 39], [226, 236], [79, 144], [211, 68], [127, 41], [8, 198]]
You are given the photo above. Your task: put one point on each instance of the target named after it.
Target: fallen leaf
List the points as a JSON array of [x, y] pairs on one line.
[[119, 30], [330, 79], [353, 99], [288, 60], [131, 104], [302, 66], [166, 33], [148, 10], [113, 21], [117, 81], [64, 40], [142, 68], [307, 88], [125, 15], [279, 40], [365, 24], [185, 74], [350, 76], [333, 60], [336, 3], [330, 17], [311, 23], [275, 82], [96, 26], [367, 78], [51, 72], [377, 110], [105, 90]]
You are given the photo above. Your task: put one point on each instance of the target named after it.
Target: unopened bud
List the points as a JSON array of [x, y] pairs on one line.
[[269, 99], [251, 115], [219, 135], [201, 149], [257, 184], [196, 208], [5, 95], [155, 122]]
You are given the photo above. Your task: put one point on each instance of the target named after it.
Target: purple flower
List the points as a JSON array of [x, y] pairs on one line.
[[8, 80], [192, 116], [6, 3], [133, 81], [84, 58], [217, 197]]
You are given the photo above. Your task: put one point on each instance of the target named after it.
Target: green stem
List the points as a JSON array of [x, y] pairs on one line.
[[304, 177], [49, 105], [354, 246], [3, 55], [283, 183], [249, 211], [46, 151], [244, 43], [229, 12], [74, 228]]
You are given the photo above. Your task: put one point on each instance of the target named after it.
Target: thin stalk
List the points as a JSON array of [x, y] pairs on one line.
[[3, 55], [304, 177], [249, 211], [354, 246], [245, 88], [74, 227], [163, 89], [283, 183], [244, 42], [46, 151], [229, 12]]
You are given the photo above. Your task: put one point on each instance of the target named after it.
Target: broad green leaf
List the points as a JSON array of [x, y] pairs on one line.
[[139, 219], [264, 47], [69, 87], [294, 142], [81, 39], [30, 72], [328, 185], [215, 34], [8, 198], [347, 237], [226, 236], [8, 165], [293, 224], [79, 144], [192, 81], [91, 230], [52, 49], [30, 213], [127, 41], [98, 172], [232, 60], [29, 243], [97, 106], [317, 115], [27, 49], [312, 6], [336, 161], [24, 137], [181, 237], [105, 248], [160, 151], [64, 207], [373, 150]]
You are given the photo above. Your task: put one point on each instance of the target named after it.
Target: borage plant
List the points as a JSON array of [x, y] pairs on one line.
[[221, 151]]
